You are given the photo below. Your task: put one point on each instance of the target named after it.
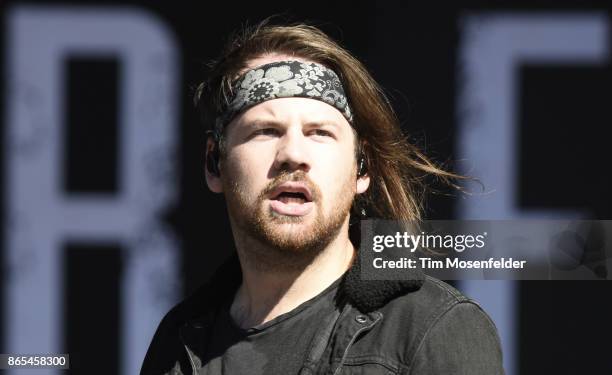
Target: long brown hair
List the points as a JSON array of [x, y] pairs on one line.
[[396, 167]]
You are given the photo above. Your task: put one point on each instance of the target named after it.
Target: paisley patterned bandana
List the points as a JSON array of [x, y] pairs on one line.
[[284, 79]]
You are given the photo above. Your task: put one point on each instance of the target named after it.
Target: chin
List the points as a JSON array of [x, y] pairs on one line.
[[284, 220], [291, 226], [294, 232]]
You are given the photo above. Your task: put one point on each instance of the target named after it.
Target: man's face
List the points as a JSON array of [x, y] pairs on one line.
[[289, 173]]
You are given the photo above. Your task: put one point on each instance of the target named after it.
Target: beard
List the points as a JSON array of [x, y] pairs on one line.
[[275, 242]]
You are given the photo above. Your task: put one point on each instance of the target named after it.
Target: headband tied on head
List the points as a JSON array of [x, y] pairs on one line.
[[284, 79]]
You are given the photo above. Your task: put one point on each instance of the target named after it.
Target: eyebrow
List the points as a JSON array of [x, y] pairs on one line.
[[322, 123], [262, 123]]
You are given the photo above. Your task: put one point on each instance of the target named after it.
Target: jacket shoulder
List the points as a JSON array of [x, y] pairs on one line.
[[422, 306], [166, 351], [438, 324], [434, 292], [166, 346]]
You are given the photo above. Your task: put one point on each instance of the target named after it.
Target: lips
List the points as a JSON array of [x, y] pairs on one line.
[[289, 197], [292, 199], [292, 191]]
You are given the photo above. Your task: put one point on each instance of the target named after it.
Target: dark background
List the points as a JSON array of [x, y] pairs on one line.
[[563, 117]]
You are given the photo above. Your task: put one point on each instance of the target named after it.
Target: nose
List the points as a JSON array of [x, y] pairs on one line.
[[292, 151]]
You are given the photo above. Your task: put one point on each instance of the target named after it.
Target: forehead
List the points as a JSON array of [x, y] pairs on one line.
[[295, 110]]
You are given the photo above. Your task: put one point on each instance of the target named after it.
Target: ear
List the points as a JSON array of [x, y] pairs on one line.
[[212, 180], [363, 182], [363, 178]]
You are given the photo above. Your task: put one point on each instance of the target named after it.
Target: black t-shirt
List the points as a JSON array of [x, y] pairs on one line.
[[279, 346]]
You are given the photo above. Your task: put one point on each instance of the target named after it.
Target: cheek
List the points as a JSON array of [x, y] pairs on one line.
[[246, 171], [336, 176]]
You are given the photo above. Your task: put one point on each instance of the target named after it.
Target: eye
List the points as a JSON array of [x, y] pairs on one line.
[[322, 133], [265, 132]]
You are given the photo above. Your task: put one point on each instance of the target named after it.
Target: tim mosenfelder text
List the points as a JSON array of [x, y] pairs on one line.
[[458, 243], [448, 263]]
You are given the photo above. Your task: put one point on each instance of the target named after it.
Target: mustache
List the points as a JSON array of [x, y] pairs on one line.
[[297, 176]]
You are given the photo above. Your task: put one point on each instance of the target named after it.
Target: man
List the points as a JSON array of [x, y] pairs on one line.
[[303, 144]]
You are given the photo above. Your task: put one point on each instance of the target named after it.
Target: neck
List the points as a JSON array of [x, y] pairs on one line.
[[267, 292]]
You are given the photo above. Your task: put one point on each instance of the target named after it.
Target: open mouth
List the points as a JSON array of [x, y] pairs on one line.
[[291, 197]]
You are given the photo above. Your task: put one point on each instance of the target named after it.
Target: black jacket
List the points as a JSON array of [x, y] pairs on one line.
[[418, 326]]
